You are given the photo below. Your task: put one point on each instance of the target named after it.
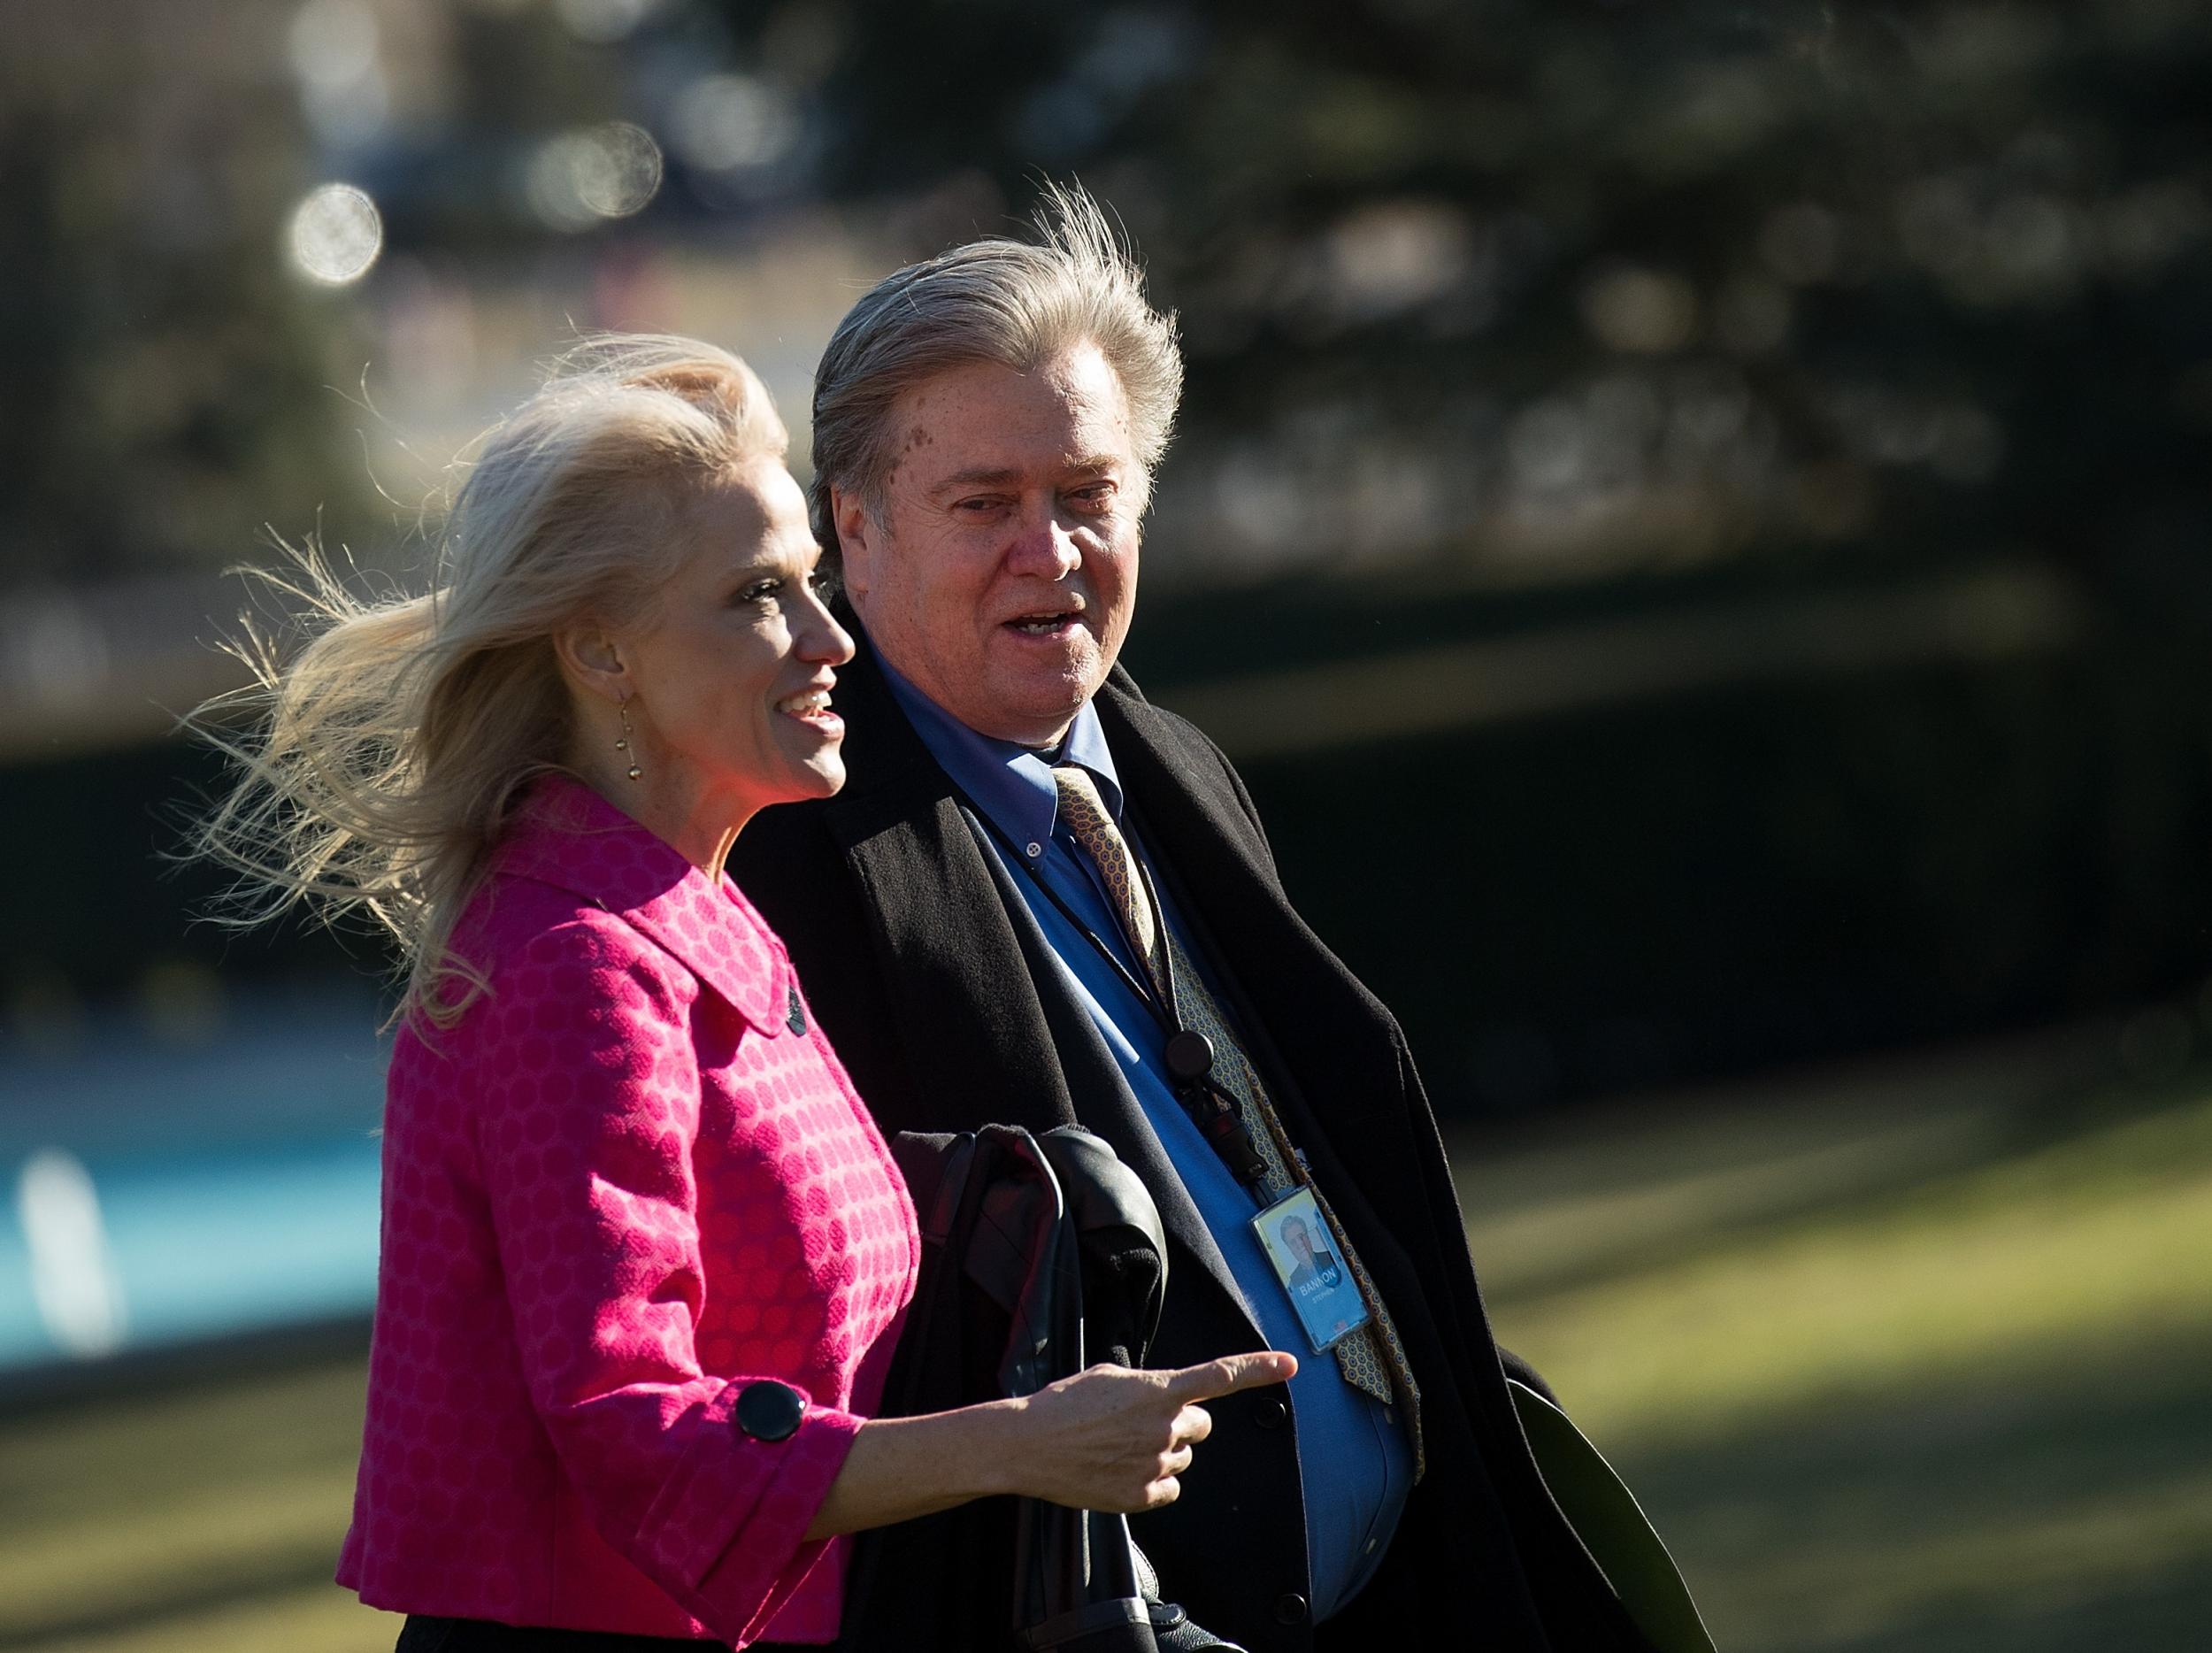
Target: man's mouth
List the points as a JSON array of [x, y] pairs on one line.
[[1050, 624]]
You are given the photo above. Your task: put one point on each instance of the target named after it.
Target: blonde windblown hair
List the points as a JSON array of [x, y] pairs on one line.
[[381, 759]]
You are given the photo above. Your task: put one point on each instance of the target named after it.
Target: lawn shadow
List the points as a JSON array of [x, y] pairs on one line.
[[1909, 1358], [1574, 1199], [2068, 1508]]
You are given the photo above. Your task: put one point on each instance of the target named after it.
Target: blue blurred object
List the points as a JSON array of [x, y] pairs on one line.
[[162, 1194]]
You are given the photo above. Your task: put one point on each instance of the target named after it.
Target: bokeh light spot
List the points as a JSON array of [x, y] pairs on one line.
[[618, 170], [336, 233], [725, 122], [580, 178], [73, 1271]]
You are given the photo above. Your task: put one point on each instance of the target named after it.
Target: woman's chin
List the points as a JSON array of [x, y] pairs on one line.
[[819, 777], [797, 780]]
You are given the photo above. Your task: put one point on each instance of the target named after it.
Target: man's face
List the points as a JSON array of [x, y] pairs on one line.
[[1001, 578]]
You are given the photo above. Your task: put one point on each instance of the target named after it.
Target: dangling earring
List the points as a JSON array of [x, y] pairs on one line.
[[623, 745]]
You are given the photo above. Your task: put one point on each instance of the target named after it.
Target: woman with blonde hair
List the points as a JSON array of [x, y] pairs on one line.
[[644, 1251]]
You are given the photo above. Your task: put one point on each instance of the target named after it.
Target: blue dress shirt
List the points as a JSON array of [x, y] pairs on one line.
[[1354, 1458]]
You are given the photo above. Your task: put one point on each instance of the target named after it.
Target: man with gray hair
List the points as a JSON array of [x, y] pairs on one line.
[[1042, 901]]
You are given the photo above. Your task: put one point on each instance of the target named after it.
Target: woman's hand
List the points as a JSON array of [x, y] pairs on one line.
[[1106, 1439], [1119, 1439]]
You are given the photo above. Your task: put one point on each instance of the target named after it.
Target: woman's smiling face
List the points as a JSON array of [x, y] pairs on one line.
[[731, 666]]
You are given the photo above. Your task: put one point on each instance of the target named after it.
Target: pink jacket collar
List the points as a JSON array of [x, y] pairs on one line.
[[565, 834]]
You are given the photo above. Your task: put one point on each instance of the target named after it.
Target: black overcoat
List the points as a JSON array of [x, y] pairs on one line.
[[938, 990]]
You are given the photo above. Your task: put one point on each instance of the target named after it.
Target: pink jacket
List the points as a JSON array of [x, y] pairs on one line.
[[630, 1181]]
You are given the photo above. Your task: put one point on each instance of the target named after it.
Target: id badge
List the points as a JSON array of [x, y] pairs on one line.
[[1309, 1262]]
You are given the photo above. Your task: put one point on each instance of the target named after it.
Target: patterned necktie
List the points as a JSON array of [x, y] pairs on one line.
[[1372, 1359]]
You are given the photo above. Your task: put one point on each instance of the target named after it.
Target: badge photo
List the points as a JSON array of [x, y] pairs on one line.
[[1309, 1262]]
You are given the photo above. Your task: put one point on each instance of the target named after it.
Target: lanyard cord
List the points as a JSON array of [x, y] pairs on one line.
[[1146, 992], [1222, 1124]]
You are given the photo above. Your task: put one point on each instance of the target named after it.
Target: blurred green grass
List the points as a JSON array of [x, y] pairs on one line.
[[1891, 1368], [207, 1518], [1915, 1361]]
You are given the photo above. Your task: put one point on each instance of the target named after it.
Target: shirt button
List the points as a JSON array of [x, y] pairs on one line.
[[1270, 1414], [1034, 850], [1290, 1608]]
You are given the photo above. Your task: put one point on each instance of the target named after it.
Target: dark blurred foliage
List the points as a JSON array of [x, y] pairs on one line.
[[1556, 290], [1505, 320], [1920, 282], [165, 386], [1663, 307]]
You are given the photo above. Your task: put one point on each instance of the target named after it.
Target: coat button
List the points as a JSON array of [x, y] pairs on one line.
[[768, 1410], [1290, 1608], [1270, 1414]]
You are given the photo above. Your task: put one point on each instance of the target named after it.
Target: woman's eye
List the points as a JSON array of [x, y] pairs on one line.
[[760, 592]]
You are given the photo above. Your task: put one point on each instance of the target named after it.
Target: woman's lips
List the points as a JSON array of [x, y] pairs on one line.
[[812, 708]]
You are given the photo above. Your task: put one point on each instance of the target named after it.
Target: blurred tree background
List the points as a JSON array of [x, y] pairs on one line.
[[1704, 507], [1870, 345]]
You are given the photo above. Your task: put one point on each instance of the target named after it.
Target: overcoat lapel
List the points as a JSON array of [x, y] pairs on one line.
[[1321, 1037], [1329, 1048], [940, 932], [1109, 1107], [1007, 1046], [1327, 1029]]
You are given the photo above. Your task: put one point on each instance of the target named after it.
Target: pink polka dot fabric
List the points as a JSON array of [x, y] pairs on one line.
[[618, 1190]]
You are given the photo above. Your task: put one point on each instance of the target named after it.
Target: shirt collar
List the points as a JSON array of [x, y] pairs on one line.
[[1011, 783]]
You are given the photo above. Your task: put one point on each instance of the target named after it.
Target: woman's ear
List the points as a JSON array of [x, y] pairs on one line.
[[592, 661]]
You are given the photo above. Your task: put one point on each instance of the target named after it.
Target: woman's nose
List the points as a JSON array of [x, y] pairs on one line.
[[822, 639]]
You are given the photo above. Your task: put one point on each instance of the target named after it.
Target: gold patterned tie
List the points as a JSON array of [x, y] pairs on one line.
[[1372, 1359]]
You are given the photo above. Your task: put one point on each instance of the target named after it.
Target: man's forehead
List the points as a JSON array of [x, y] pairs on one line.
[[989, 427], [1073, 403]]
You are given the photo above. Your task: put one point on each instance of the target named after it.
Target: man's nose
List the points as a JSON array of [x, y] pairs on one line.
[[1043, 545]]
